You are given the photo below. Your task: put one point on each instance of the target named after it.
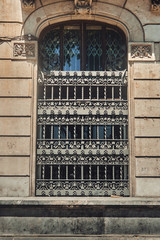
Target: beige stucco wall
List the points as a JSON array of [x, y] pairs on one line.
[[18, 77]]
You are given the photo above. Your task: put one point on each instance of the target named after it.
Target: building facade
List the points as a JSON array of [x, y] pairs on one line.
[[79, 119]]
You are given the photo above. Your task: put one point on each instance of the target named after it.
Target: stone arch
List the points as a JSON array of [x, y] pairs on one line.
[[104, 12]]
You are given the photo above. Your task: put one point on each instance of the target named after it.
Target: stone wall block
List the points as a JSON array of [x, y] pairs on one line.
[[148, 167], [147, 108], [14, 146], [147, 187], [14, 187], [14, 166], [5, 50], [91, 226], [147, 89], [15, 69], [11, 10], [146, 70], [10, 29], [152, 32], [16, 87], [147, 147], [15, 126], [147, 127], [15, 107]]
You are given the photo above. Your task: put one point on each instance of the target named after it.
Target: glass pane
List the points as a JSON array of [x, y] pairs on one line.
[[102, 172], [63, 172], [86, 172], [109, 172], [117, 172], [56, 92], [78, 172], [93, 132], [94, 92], [70, 172], [94, 50], [101, 132], [109, 92], [71, 92], [47, 132], [109, 131], [63, 92], [49, 52], [86, 92], [78, 132], [55, 132], [71, 46], [125, 132], [86, 132], [39, 132], [47, 172], [115, 51], [116, 92], [125, 172], [79, 92], [101, 92], [124, 93], [48, 92], [55, 172], [63, 132], [70, 131], [116, 132], [93, 172]]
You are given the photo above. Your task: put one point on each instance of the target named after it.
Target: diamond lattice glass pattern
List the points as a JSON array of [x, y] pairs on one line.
[[115, 51], [94, 50], [71, 46], [50, 51]]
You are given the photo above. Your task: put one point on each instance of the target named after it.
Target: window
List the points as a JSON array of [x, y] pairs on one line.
[[82, 125], [82, 46]]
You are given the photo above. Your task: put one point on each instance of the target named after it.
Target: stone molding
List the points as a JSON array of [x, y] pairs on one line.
[[65, 11], [28, 4], [141, 52], [80, 201], [24, 50]]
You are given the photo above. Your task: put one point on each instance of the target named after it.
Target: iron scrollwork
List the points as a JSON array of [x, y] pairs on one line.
[[82, 142]]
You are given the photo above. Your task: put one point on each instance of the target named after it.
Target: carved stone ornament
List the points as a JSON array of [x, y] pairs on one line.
[[155, 7], [24, 50], [141, 51], [83, 6], [28, 4]]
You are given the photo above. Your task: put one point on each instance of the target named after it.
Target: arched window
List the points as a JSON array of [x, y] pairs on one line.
[[82, 133]]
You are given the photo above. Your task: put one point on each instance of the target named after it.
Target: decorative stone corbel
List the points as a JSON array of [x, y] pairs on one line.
[[28, 4], [155, 7], [141, 52], [82, 7]]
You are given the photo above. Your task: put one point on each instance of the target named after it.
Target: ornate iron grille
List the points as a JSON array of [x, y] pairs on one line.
[[82, 136]]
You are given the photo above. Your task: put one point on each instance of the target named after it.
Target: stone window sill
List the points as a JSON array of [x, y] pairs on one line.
[[79, 201]]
